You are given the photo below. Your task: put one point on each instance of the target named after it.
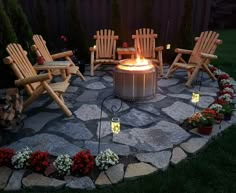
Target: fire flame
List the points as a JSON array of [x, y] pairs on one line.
[[139, 64]]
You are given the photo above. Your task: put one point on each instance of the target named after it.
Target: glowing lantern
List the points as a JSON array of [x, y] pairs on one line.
[[167, 46], [195, 97], [115, 125]]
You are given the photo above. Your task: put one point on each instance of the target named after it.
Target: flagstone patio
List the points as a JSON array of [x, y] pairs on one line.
[[150, 130]]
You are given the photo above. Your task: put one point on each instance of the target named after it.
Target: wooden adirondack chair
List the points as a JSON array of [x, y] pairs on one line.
[[34, 84], [144, 43], [200, 56], [105, 49], [40, 48]]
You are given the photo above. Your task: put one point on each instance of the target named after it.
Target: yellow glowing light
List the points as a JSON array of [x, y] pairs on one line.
[[115, 125], [139, 64], [195, 97], [94, 46], [167, 46]]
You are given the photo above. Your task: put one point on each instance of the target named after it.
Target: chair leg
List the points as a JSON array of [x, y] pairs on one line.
[[92, 64], [172, 67], [160, 62], [57, 99], [193, 75], [80, 75]]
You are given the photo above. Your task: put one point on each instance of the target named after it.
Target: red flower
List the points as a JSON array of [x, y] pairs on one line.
[[223, 76], [83, 163], [39, 161], [220, 101], [5, 156]]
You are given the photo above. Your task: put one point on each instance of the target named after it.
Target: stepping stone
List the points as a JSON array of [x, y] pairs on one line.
[[119, 149], [182, 96], [102, 180], [83, 183], [88, 96], [205, 101], [138, 169], [77, 131], [209, 91], [115, 104], [38, 121], [157, 98], [108, 78], [105, 129], [72, 89], [193, 145], [210, 83], [156, 138], [39, 103], [5, 174], [54, 105], [46, 142], [115, 173], [141, 118], [14, 183], [95, 86], [89, 112], [36, 181], [149, 108], [167, 82], [179, 111], [177, 89], [177, 155], [160, 159]]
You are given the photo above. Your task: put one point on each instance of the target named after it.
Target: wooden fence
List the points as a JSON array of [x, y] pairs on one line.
[[165, 16]]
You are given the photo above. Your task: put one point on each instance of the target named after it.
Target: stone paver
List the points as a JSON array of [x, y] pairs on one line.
[[108, 78], [160, 159], [82, 183], [46, 142], [74, 130], [205, 101], [89, 112], [5, 174], [102, 180], [14, 183], [156, 138], [95, 86], [88, 96], [141, 118], [193, 145], [35, 181], [115, 173], [179, 111], [156, 98], [138, 169], [38, 121], [105, 129], [113, 105], [167, 82], [149, 108], [182, 96], [177, 155]]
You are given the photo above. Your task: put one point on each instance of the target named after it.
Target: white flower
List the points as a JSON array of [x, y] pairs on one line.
[[227, 89], [225, 81], [216, 107], [218, 72], [226, 97], [106, 159], [21, 158], [63, 164]]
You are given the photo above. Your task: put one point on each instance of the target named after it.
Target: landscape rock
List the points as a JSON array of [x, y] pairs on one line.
[[95, 86], [177, 155], [14, 183], [5, 174], [82, 183], [193, 145], [88, 96], [102, 180], [115, 173]]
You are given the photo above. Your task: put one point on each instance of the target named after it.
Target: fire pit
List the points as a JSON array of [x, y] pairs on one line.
[[135, 79]]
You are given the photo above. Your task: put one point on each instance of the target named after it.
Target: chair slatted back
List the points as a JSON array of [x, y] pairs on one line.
[[206, 43], [21, 65], [144, 42], [42, 47], [105, 44]]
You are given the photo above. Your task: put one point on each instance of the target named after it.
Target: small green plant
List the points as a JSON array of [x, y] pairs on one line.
[[106, 159], [63, 164], [21, 159]]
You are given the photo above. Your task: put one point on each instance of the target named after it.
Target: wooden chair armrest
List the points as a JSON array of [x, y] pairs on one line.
[[159, 48], [183, 51], [62, 54], [209, 56], [53, 65], [92, 49], [32, 79]]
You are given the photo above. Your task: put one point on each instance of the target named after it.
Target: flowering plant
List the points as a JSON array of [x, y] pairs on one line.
[[217, 107], [6, 156], [63, 164], [228, 89], [226, 97], [226, 86], [39, 161], [227, 108], [218, 72], [225, 81], [220, 101], [21, 158], [223, 76], [212, 68], [83, 162], [106, 159], [204, 118]]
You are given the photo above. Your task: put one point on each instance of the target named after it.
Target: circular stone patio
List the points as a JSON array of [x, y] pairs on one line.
[[150, 130]]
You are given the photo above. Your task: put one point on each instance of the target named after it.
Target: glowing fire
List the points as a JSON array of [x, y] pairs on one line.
[[139, 64]]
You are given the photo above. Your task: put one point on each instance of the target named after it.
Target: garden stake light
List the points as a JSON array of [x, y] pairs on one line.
[[115, 121]]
